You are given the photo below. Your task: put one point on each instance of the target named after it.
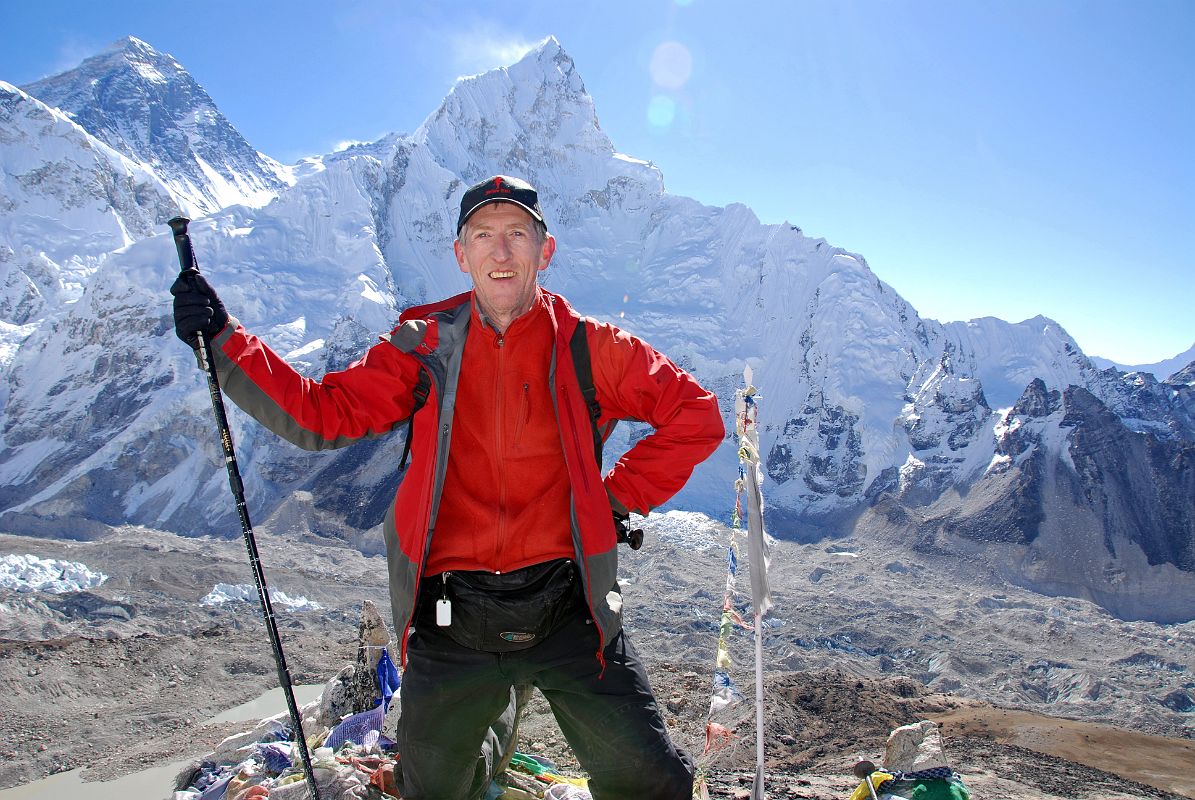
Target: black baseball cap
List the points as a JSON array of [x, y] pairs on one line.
[[500, 189]]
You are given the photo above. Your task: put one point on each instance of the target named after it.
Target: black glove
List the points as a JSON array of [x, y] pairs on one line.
[[197, 308], [634, 538]]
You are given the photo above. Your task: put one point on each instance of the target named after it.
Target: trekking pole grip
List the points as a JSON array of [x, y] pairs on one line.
[[187, 265], [182, 243]]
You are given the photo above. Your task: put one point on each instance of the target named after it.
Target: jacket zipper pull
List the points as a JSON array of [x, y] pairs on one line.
[[444, 605]]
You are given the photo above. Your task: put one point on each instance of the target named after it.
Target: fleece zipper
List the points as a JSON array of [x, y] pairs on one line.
[[500, 444]]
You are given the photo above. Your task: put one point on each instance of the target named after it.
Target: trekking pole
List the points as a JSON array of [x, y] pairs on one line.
[[186, 260], [863, 771]]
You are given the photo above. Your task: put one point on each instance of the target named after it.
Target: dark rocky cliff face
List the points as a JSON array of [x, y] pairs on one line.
[[1181, 386], [1140, 485], [1076, 502]]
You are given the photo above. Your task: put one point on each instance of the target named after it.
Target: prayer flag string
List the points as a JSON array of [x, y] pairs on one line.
[[724, 715]]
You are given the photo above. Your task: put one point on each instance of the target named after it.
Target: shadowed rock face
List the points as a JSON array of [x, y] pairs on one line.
[[1091, 507], [1037, 400], [1141, 486]]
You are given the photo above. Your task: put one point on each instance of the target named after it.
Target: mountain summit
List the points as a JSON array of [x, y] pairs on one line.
[[874, 420], [146, 106]]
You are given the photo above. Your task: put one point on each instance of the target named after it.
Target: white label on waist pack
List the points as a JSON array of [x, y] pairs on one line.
[[443, 613]]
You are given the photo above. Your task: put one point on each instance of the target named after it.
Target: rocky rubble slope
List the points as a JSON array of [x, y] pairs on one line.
[[126, 675]]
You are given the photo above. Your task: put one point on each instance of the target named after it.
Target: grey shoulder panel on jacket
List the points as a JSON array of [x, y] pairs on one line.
[[407, 336]]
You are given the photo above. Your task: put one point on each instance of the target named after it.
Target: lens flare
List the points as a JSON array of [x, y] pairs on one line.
[[661, 111], [671, 65]]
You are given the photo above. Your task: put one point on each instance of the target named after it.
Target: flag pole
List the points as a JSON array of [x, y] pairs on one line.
[[747, 418]]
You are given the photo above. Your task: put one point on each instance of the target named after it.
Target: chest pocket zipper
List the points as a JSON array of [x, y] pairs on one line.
[[524, 415]]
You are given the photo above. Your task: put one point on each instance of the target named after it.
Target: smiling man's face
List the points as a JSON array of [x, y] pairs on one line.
[[501, 250]]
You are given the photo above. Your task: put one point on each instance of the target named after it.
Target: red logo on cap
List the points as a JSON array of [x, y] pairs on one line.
[[498, 187]]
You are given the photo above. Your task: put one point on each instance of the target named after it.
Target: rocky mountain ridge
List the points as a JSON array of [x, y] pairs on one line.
[[871, 415]]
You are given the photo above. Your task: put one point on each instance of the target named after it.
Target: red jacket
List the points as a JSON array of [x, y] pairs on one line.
[[374, 395]]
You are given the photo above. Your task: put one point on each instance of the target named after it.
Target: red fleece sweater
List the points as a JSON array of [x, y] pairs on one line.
[[506, 497]]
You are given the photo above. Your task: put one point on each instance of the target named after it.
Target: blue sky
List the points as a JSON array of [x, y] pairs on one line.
[[1002, 159]]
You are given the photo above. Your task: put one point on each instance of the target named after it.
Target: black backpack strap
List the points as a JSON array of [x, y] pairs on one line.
[[579, 346], [422, 388]]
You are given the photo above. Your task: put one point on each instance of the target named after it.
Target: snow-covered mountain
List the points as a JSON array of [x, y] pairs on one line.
[[1072, 502], [68, 200], [871, 414], [99, 156], [1159, 369], [143, 104]]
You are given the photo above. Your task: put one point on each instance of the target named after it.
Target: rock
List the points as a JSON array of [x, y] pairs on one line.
[[187, 775], [336, 700], [372, 636], [676, 703], [390, 722], [913, 748]]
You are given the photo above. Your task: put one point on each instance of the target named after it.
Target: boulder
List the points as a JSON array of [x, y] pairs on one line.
[[915, 748]]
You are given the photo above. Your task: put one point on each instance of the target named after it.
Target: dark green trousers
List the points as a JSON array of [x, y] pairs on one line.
[[455, 701]]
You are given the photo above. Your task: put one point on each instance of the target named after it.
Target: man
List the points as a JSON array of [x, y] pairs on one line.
[[501, 543]]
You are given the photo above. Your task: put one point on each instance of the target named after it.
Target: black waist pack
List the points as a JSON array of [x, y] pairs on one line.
[[509, 611]]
